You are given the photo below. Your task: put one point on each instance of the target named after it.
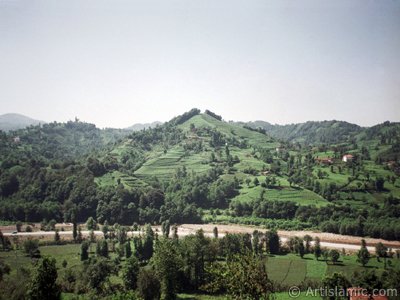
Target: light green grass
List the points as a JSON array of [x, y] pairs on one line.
[[111, 180], [231, 130], [165, 165], [285, 193]]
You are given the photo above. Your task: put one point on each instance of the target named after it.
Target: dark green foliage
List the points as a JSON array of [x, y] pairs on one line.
[[148, 285], [128, 249], [84, 250], [57, 237], [214, 115], [19, 226], [91, 224], [97, 273], [31, 247], [130, 273], [4, 242], [363, 255], [233, 277], [335, 255], [167, 262], [272, 242], [147, 251], [185, 116], [336, 282], [317, 248], [197, 252], [43, 284], [74, 231], [4, 269], [102, 248]]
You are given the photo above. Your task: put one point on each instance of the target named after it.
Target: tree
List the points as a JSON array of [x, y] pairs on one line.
[[243, 277], [130, 273], [92, 236], [98, 271], [84, 250], [57, 237], [317, 248], [167, 262], [19, 226], [381, 251], [43, 284], [308, 239], [257, 248], [336, 282], [79, 237], [148, 243], [74, 231], [102, 248], [215, 232], [256, 182], [379, 184], [272, 242], [301, 249], [148, 285], [325, 254], [363, 255], [91, 224], [31, 247], [165, 227], [105, 229], [128, 249], [334, 254]]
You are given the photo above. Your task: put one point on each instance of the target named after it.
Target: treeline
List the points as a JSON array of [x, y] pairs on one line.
[[348, 220], [159, 265]]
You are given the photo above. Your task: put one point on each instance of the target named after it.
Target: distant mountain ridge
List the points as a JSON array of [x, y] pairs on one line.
[[141, 126], [12, 121], [311, 131]]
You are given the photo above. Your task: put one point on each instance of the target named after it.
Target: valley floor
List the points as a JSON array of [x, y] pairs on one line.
[[328, 240]]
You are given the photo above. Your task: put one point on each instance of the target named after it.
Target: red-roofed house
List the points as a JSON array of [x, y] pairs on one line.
[[356, 293]]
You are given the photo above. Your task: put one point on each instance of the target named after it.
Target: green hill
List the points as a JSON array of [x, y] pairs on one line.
[[311, 132], [199, 168]]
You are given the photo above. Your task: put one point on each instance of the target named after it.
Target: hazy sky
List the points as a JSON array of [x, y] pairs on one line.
[[115, 63]]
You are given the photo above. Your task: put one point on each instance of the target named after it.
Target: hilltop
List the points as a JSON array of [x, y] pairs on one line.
[[141, 126], [198, 168], [16, 121]]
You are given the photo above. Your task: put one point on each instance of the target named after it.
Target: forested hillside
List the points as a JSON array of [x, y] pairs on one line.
[[311, 132], [197, 168]]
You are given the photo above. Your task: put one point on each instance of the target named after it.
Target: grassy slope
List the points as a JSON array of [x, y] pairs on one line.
[[292, 270]]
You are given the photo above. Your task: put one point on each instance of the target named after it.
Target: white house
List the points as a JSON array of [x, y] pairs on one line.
[[347, 157]]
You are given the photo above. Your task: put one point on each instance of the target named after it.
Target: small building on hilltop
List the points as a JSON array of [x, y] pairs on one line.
[[16, 139], [347, 157]]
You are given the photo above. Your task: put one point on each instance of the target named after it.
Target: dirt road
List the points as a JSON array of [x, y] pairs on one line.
[[328, 240]]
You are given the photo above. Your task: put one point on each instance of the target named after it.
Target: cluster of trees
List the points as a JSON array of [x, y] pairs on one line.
[[154, 267]]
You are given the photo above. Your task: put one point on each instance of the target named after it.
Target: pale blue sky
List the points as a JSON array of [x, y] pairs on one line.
[[115, 63]]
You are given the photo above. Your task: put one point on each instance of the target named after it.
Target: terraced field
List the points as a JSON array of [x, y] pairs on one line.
[[285, 193], [166, 164], [112, 179]]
